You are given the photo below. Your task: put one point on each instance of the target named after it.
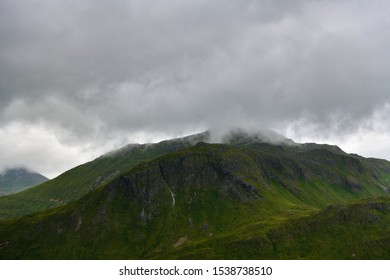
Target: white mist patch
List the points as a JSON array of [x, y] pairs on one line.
[[37, 148], [229, 135], [5, 169], [369, 144]]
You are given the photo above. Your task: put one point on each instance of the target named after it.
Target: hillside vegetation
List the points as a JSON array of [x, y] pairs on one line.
[[245, 199], [82, 179]]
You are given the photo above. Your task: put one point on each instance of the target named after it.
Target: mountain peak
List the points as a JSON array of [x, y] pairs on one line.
[[241, 136], [17, 179]]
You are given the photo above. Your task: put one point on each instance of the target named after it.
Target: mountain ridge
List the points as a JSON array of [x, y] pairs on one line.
[[204, 199], [81, 179]]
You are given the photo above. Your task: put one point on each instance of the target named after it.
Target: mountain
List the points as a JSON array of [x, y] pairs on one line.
[[78, 181], [243, 199], [82, 179], [14, 180]]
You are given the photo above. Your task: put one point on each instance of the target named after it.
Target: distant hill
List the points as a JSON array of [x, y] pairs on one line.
[[15, 180], [245, 198]]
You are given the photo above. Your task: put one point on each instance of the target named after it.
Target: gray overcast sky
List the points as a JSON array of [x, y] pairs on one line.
[[79, 78]]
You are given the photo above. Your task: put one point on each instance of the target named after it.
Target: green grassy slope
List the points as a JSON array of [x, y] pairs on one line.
[[353, 231], [359, 230], [205, 201], [80, 180]]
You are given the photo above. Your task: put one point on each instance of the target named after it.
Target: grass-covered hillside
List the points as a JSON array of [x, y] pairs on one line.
[[246, 199], [80, 180]]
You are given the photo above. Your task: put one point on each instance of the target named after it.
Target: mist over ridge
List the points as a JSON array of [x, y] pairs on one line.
[[79, 79]]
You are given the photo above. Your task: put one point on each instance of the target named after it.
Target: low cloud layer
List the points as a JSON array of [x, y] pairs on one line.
[[78, 78]]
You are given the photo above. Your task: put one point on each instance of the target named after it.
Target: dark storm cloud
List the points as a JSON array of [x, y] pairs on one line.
[[93, 71]]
